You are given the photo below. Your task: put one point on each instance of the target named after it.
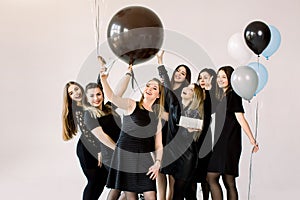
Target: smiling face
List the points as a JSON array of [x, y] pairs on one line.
[[180, 75], [188, 92], [75, 93], [222, 80], [151, 90], [204, 79], [94, 97]]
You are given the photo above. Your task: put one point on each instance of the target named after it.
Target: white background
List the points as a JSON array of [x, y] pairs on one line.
[[44, 44]]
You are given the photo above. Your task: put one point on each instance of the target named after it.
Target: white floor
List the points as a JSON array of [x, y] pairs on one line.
[[37, 173]]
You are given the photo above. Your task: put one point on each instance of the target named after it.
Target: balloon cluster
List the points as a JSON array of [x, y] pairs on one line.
[[135, 35], [261, 39]]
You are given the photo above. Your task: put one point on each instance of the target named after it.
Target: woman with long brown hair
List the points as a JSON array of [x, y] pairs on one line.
[[88, 146], [181, 78], [230, 121]]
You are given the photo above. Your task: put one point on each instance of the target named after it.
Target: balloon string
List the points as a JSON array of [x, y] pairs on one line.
[[255, 136], [98, 22], [97, 17], [134, 80]]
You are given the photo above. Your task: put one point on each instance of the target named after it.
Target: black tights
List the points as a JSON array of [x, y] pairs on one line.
[[205, 190], [184, 189], [215, 187], [113, 194], [96, 182]]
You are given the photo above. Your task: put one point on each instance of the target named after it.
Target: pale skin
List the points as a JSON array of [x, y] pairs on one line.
[[150, 93], [222, 82], [165, 192], [187, 97], [120, 89], [205, 80], [180, 74], [95, 98], [75, 94]]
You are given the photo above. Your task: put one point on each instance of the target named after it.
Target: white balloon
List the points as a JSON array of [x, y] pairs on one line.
[[238, 50]]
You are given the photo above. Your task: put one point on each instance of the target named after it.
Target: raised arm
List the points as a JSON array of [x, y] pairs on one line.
[[162, 70], [102, 68], [123, 83], [124, 103], [245, 126]]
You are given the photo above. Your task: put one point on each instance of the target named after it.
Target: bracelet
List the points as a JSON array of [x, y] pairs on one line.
[[129, 74], [157, 160]]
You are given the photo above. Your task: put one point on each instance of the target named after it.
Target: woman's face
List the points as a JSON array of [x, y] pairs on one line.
[[75, 92], [188, 92], [204, 79], [222, 79], [94, 97], [180, 75], [151, 90]]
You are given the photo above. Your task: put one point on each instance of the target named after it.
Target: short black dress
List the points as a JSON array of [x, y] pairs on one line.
[[132, 157], [88, 145], [185, 165], [228, 145], [204, 143], [111, 125]]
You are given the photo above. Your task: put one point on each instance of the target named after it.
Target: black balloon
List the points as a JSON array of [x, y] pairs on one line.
[[135, 34], [257, 36]]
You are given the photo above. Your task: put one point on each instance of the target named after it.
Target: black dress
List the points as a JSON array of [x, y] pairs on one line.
[[88, 148], [227, 149], [204, 143], [88, 145], [185, 165], [110, 124], [132, 157]]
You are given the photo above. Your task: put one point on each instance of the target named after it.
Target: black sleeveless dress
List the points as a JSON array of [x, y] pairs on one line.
[[132, 157]]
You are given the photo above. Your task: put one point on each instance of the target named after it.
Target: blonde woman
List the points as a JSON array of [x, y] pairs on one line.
[[137, 157]]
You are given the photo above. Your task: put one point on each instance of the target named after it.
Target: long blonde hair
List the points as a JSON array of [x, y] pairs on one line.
[[198, 104], [159, 103], [69, 124]]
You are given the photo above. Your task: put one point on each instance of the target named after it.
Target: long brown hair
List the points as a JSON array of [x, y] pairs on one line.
[[187, 76], [228, 71], [159, 103], [198, 103], [96, 112], [69, 125]]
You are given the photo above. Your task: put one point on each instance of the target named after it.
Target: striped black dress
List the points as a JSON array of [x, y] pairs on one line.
[[132, 157]]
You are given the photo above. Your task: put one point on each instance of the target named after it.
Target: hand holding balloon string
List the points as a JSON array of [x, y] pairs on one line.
[[105, 68]]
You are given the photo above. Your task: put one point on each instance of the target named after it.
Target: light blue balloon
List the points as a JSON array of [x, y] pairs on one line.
[[262, 74], [274, 42]]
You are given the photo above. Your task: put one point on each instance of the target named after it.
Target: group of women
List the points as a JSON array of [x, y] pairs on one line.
[[148, 152]]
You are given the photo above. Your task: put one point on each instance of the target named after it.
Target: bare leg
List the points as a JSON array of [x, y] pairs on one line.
[[161, 186], [131, 196], [170, 187], [122, 196], [215, 187], [150, 195]]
